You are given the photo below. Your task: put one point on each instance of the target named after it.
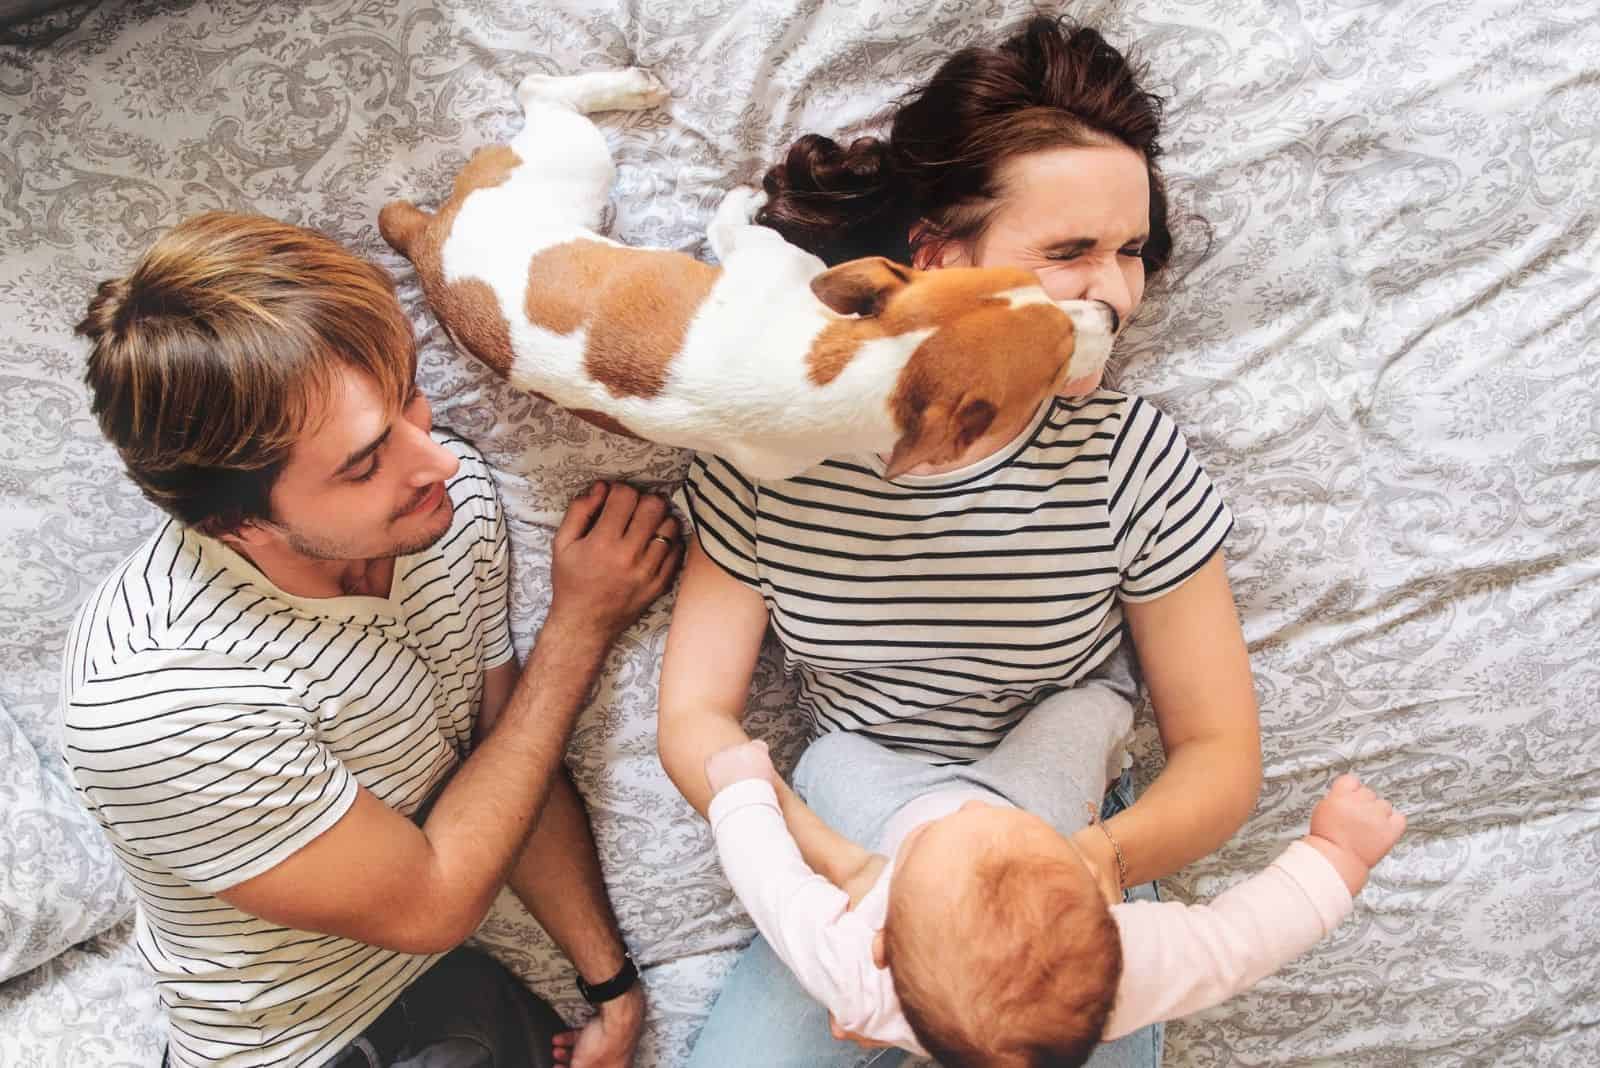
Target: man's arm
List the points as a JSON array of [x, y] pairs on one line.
[[558, 874], [375, 876], [558, 880]]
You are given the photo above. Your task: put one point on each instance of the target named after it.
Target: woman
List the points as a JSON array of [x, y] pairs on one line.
[[933, 612]]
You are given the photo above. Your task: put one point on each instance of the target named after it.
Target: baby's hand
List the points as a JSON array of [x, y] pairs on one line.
[[747, 760], [1354, 828], [1355, 817]]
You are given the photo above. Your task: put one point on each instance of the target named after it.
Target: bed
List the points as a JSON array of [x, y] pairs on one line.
[[1381, 334]]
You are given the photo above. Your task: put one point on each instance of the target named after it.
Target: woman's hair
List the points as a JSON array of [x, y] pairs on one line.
[[207, 357], [1023, 975], [1049, 85]]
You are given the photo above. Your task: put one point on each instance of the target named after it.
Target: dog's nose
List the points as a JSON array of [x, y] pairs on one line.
[[1116, 320], [1093, 318]]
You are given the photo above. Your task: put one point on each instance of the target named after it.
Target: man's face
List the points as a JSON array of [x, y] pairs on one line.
[[365, 481]]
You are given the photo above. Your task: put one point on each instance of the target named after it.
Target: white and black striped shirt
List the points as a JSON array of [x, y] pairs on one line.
[[215, 725], [931, 612]]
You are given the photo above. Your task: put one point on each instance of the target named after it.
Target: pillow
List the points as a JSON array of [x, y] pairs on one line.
[[59, 881]]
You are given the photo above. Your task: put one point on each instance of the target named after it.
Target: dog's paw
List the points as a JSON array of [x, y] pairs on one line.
[[648, 92], [634, 89], [547, 86], [740, 204]]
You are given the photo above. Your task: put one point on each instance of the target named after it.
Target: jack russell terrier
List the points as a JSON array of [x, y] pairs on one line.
[[772, 361]]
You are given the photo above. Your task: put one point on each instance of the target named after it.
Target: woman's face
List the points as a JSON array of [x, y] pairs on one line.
[[1076, 217]]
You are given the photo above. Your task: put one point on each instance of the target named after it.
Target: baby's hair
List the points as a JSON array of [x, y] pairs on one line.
[[1042, 959]]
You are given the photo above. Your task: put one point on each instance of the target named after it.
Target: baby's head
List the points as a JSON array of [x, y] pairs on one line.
[[1002, 948]]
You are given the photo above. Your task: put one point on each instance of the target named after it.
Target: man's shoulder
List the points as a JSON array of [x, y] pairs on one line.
[[132, 626], [141, 585], [473, 464], [473, 486]]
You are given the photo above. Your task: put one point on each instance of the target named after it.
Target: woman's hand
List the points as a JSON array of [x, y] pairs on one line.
[[850, 1036], [747, 760], [1101, 859]]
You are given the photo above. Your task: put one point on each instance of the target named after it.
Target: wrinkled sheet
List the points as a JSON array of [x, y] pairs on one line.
[[1379, 335]]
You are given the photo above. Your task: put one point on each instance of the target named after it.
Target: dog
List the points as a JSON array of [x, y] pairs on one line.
[[771, 361]]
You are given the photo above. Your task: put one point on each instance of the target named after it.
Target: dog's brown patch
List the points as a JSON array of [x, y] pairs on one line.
[[833, 350], [604, 422], [867, 285], [489, 166], [468, 308], [636, 304], [472, 314]]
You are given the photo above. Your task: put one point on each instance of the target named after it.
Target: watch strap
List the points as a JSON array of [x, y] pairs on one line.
[[615, 987]]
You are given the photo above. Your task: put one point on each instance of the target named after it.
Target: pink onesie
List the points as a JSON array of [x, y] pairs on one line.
[[1177, 959]]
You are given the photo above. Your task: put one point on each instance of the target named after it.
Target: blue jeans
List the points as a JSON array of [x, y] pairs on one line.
[[765, 1019]]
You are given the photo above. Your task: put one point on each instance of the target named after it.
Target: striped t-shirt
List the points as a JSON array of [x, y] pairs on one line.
[[214, 725], [931, 612]]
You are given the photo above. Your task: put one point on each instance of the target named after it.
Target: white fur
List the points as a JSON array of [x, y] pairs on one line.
[[1093, 340]]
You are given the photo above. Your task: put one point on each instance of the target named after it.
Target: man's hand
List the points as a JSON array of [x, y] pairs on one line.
[[747, 760], [609, 1040], [615, 552]]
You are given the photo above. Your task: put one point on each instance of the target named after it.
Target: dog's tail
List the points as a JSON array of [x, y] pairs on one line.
[[400, 222]]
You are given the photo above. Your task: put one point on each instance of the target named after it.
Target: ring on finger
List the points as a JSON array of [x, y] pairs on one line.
[[663, 539]]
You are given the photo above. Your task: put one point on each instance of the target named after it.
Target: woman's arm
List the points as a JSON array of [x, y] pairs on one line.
[[712, 645], [1192, 653]]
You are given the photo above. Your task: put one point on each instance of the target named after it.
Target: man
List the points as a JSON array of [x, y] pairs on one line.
[[296, 710]]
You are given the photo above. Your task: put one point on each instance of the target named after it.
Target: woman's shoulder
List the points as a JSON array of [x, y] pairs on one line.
[[1101, 411], [1104, 410]]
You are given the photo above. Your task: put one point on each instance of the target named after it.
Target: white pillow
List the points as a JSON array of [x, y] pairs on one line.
[[59, 881]]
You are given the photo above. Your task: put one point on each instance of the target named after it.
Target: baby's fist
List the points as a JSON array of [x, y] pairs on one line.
[[747, 760], [1355, 817]]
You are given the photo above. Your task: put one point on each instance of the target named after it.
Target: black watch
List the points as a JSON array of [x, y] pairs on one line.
[[615, 987]]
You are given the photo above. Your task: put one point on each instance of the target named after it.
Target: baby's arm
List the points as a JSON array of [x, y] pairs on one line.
[[803, 915], [829, 853], [1179, 959]]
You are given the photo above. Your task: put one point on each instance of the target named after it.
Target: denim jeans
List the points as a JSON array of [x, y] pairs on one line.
[[765, 1019]]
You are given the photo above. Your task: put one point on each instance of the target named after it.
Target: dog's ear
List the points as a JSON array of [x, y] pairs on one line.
[[936, 436], [860, 287], [920, 443], [972, 421]]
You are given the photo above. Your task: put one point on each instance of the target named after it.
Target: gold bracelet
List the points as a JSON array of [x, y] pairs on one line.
[[1116, 847]]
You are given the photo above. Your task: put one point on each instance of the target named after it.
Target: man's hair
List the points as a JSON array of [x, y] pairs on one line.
[[1034, 971], [208, 356]]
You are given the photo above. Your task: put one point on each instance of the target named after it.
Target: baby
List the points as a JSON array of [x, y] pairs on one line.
[[979, 935]]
